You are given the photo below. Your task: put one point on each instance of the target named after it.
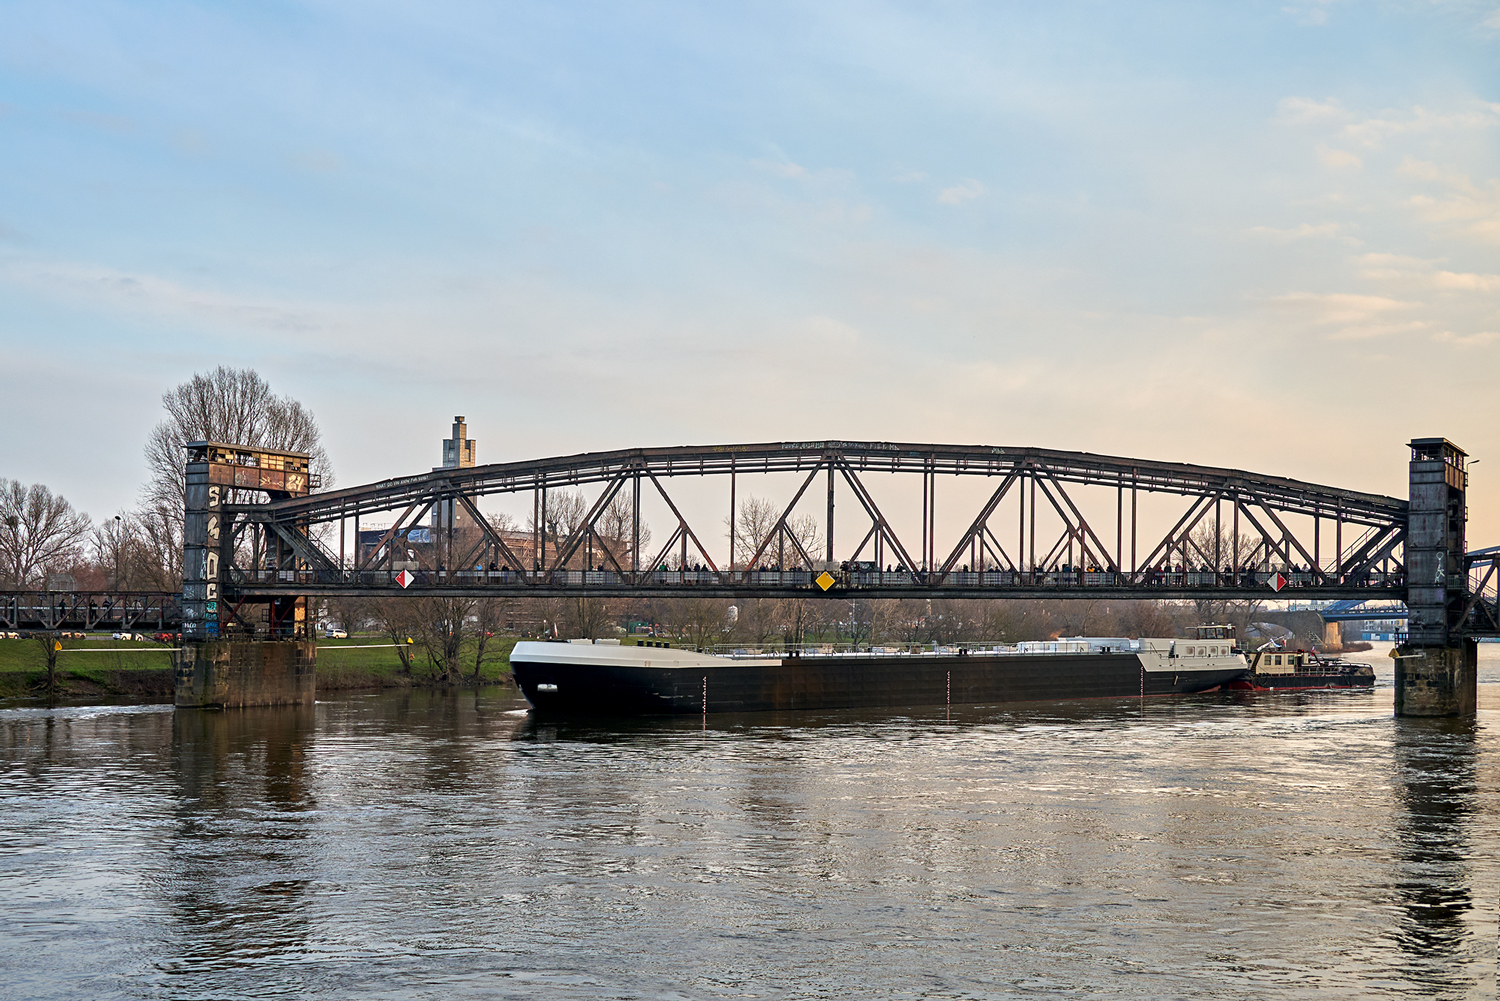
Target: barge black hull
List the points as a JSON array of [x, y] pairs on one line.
[[1306, 682], [815, 683]]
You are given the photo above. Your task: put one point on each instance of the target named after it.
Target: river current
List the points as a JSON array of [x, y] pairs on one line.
[[428, 845]]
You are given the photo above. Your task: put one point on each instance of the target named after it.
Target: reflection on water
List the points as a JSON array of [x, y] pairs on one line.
[[233, 888], [1437, 784], [422, 844]]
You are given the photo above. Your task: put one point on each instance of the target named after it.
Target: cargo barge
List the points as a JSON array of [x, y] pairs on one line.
[[606, 677]]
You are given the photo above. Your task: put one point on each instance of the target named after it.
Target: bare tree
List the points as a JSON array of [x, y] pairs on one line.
[[757, 520], [489, 616], [348, 612], [159, 545], [564, 512], [1231, 552], [51, 647], [234, 406], [1147, 618], [40, 533], [440, 626], [230, 405], [617, 530], [701, 622], [759, 619], [118, 552], [396, 618], [587, 618]]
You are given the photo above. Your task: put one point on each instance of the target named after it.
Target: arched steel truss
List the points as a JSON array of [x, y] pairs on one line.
[[1341, 543]]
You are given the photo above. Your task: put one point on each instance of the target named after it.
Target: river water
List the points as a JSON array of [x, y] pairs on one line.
[[426, 845]]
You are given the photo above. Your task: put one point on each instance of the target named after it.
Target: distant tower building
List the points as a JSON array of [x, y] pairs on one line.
[[458, 453]]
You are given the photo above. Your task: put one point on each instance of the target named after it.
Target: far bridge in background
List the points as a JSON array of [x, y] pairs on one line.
[[90, 611]]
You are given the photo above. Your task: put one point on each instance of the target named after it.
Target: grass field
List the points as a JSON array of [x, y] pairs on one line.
[[114, 668]]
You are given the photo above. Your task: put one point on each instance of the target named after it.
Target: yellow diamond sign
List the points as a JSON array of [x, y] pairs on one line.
[[824, 580]]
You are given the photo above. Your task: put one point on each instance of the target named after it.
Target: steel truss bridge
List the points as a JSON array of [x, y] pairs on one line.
[[1033, 523], [1026, 536]]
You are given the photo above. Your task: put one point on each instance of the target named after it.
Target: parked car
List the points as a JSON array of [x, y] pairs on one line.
[[335, 634]]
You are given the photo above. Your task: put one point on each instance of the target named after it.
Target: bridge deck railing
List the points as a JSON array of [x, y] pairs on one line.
[[860, 580]]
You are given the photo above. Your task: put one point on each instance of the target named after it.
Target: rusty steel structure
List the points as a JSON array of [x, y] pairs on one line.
[[1323, 541], [1037, 523]]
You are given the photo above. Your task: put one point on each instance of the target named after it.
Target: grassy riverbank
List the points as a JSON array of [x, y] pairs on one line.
[[116, 669]]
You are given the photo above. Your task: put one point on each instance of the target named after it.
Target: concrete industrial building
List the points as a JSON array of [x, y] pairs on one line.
[[459, 452]]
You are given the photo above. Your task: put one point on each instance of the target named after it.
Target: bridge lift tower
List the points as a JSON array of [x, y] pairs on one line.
[[1437, 668], [214, 668]]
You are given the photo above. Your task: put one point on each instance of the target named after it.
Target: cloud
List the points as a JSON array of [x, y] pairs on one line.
[[958, 194], [1373, 132], [1368, 331], [151, 295], [1425, 276], [1395, 261], [1493, 21], [1305, 111], [1466, 341], [1474, 207], [1467, 282], [1306, 231], [1357, 317], [780, 168], [1307, 16], [1339, 159]]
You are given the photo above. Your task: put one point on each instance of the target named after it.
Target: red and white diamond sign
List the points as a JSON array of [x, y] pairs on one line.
[[1277, 582], [406, 579]]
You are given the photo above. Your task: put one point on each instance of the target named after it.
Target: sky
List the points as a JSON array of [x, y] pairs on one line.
[[1259, 235]]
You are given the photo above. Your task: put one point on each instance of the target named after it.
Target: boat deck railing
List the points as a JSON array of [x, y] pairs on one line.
[[741, 651]]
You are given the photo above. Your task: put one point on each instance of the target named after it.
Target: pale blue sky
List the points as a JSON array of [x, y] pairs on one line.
[[1261, 235]]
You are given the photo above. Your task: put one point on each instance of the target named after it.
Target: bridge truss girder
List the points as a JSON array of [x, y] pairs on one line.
[[1257, 508], [1481, 615]]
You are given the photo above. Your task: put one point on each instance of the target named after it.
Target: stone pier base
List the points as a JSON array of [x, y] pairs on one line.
[[226, 674], [1333, 637], [1437, 681]]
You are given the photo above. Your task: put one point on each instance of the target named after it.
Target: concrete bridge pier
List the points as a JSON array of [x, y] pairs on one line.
[[226, 674], [1437, 681]]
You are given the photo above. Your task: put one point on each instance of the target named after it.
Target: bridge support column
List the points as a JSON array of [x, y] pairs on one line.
[[1333, 637], [235, 673], [1437, 681]]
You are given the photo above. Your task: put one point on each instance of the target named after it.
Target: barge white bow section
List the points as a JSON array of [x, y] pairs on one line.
[[613, 679]]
